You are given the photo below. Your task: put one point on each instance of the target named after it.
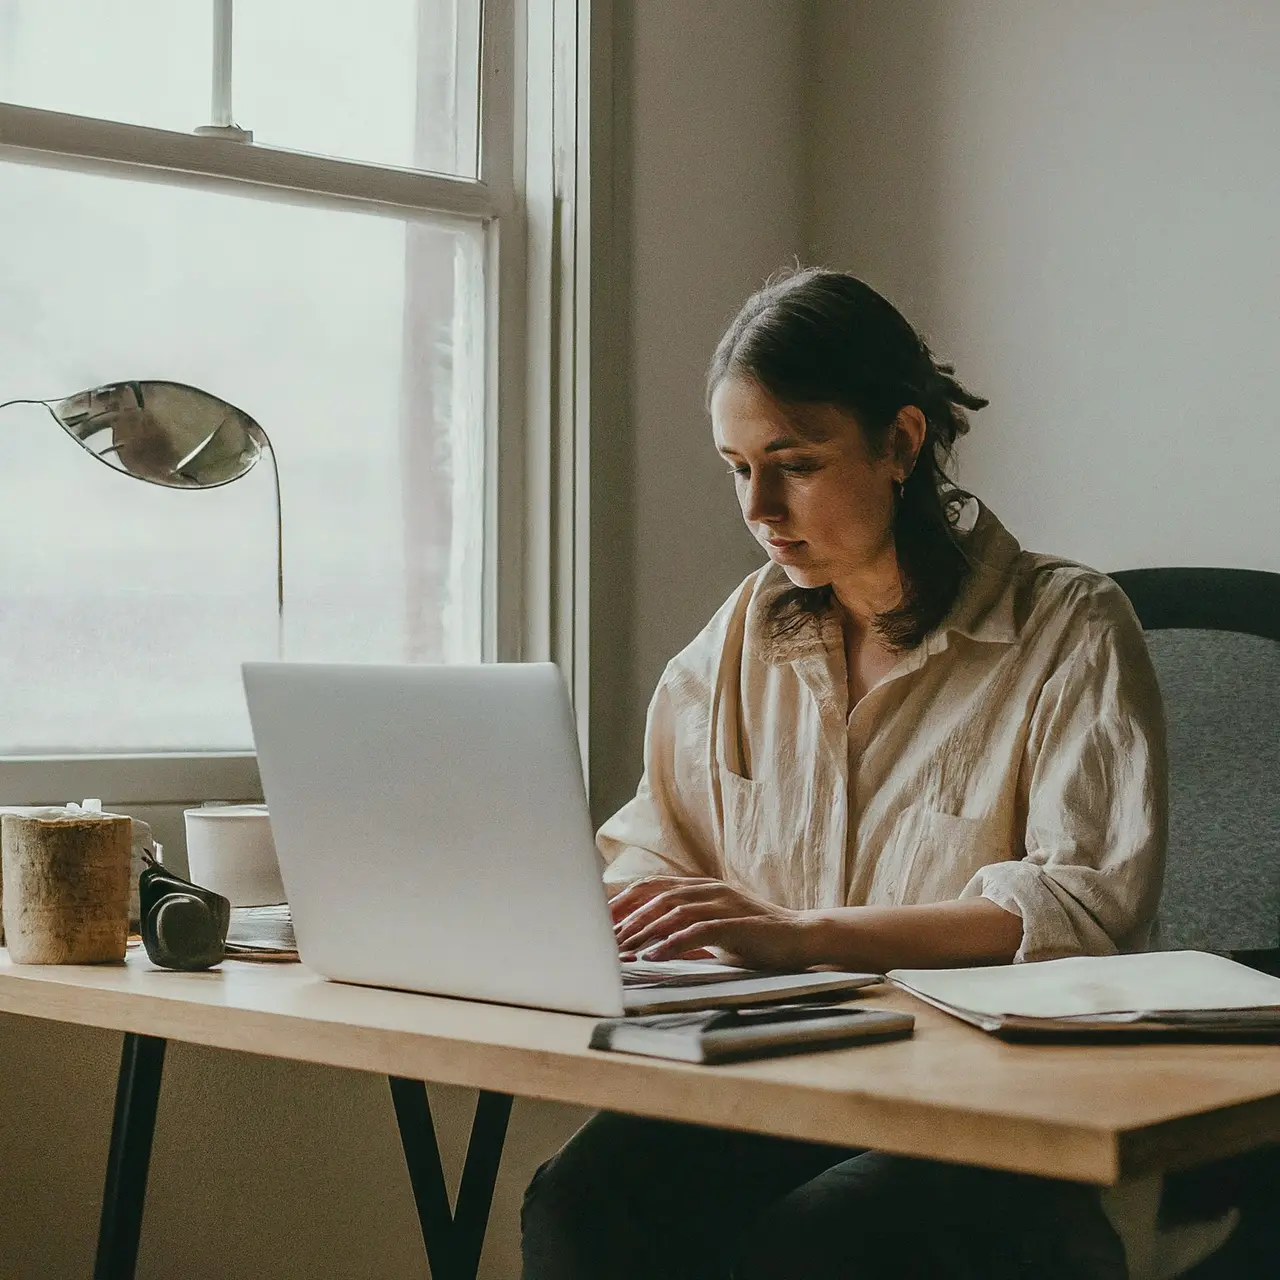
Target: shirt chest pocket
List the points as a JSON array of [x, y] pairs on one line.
[[939, 853], [759, 839]]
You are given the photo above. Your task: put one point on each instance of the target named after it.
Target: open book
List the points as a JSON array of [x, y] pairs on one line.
[[1171, 994]]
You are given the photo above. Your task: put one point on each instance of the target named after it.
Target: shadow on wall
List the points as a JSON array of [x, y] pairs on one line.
[[614, 726]]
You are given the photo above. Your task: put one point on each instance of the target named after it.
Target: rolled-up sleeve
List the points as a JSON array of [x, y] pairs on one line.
[[659, 831], [1094, 789]]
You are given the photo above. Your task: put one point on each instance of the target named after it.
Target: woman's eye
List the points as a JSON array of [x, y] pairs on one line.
[[793, 468]]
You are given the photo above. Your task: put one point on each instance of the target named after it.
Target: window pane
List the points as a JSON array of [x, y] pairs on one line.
[[322, 76], [397, 84], [355, 341], [141, 61]]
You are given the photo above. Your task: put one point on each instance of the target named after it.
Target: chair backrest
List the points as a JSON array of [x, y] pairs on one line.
[[1214, 637]]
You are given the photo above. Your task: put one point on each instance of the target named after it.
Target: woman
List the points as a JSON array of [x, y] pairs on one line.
[[903, 742]]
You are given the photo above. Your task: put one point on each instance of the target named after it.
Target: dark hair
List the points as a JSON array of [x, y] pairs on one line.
[[824, 337]]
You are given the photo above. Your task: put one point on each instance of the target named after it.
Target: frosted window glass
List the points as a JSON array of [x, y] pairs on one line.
[[357, 343], [139, 61], [393, 83], [326, 76]]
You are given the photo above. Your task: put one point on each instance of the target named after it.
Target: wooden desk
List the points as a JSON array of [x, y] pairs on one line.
[[1089, 1113]]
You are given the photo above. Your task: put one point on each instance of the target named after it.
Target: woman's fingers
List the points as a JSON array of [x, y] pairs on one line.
[[658, 905], [702, 953], [678, 917], [638, 892], [624, 902], [646, 923], [673, 917], [723, 933], [758, 942]]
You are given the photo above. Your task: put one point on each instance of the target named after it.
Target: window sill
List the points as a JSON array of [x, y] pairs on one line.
[[160, 778]]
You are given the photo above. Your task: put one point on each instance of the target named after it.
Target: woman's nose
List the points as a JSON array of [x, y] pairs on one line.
[[761, 503]]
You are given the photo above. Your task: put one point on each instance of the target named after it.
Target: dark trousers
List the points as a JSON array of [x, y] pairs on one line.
[[634, 1199]]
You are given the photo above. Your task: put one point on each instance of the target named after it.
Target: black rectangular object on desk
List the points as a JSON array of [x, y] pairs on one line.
[[732, 1035]]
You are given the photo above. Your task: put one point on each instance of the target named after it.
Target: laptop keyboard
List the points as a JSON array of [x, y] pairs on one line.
[[678, 973]]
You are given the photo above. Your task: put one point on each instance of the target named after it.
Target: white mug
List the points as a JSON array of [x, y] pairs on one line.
[[230, 850]]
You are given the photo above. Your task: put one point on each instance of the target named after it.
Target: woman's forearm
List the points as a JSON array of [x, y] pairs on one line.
[[936, 935]]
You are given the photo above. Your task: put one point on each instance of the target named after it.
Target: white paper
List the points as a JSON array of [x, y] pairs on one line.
[[1154, 981]]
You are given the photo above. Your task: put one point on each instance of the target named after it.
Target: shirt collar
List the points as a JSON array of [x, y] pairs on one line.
[[983, 611], [984, 608]]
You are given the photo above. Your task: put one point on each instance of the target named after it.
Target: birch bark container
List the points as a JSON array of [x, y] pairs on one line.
[[66, 886]]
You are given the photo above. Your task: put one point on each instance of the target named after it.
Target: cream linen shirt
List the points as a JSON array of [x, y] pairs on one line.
[[1017, 754]]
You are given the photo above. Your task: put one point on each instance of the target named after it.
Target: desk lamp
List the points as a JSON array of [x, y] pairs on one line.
[[180, 437]]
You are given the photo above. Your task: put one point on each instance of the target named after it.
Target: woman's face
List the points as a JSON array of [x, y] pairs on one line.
[[811, 492]]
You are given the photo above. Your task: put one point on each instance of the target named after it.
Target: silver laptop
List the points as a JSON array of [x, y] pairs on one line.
[[433, 835]]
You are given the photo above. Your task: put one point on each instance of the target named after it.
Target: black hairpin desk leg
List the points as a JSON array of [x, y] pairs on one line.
[[125, 1190], [453, 1239], [479, 1174]]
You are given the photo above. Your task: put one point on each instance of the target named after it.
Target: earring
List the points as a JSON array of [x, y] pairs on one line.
[[902, 489]]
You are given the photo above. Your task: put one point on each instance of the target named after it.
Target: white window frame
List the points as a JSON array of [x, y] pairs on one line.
[[535, 72]]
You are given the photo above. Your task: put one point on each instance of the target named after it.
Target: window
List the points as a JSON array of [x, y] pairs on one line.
[[392, 84], [353, 275]]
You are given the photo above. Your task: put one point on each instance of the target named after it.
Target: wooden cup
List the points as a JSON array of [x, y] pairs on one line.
[[66, 887]]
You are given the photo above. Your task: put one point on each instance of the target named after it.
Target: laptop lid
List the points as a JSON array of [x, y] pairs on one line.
[[433, 832]]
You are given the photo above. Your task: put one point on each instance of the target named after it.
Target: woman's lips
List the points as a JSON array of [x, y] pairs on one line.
[[784, 548]]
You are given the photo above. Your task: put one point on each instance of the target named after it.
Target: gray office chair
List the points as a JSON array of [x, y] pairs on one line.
[[1214, 637]]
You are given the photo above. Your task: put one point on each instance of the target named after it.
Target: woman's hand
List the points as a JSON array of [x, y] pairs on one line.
[[670, 917]]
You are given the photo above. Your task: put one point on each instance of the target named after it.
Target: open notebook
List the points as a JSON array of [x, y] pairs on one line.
[[1177, 994]]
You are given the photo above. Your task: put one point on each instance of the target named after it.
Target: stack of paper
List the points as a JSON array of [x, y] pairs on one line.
[[1179, 994], [262, 933]]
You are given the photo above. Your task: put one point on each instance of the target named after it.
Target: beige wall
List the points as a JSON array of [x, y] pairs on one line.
[[270, 1168], [1078, 202]]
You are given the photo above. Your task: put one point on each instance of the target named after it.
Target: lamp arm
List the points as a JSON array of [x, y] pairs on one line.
[[275, 476]]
